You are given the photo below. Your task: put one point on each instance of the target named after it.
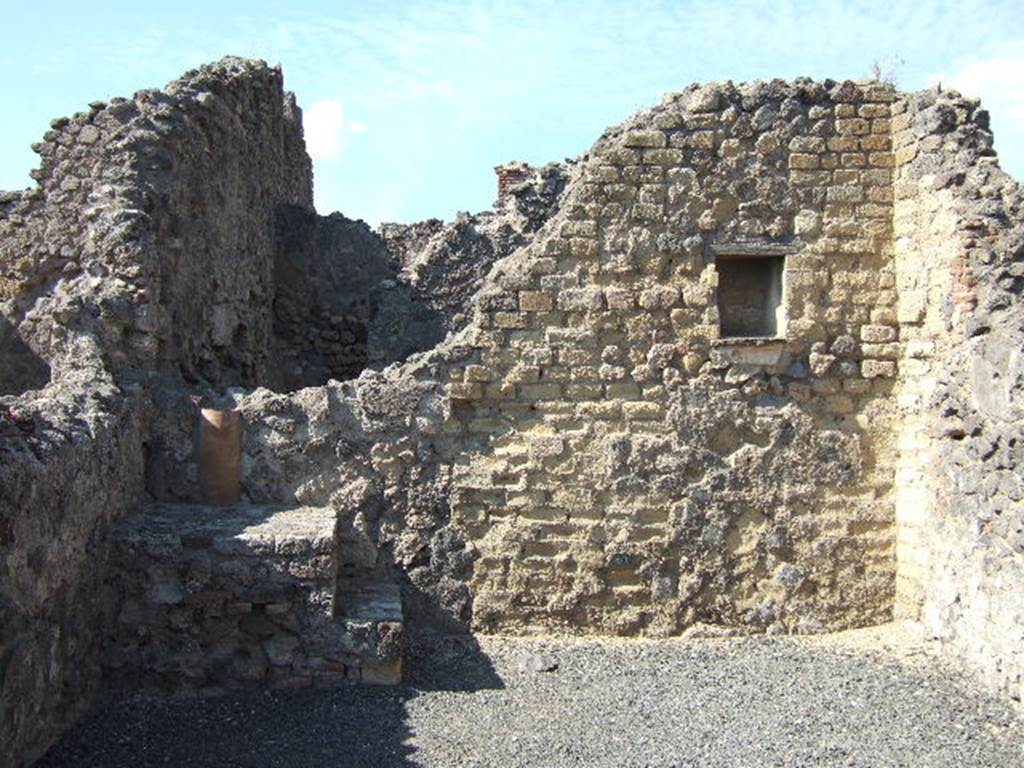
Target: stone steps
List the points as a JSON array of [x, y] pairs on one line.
[[219, 597]]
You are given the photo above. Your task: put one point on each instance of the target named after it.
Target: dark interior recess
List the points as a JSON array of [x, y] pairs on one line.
[[749, 295]]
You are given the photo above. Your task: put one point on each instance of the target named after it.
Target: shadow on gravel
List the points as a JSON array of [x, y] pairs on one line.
[[450, 663], [310, 728]]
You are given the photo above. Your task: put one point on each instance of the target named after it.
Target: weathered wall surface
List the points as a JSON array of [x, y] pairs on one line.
[[588, 454], [961, 246], [644, 473], [586, 451], [327, 270], [148, 214], [147, 248], [446, 264], [347, 298], [70, 462], [218, 180]]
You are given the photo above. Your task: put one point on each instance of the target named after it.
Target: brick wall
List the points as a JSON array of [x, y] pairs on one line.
[[639, 473]]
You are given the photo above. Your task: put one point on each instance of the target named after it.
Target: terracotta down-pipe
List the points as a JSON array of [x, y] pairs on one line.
[[220, 456]]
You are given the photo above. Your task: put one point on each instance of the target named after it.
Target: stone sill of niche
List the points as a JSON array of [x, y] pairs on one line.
[[750, 341]]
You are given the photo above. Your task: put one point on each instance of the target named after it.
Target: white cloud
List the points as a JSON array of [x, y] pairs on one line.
[[998, 81], [323, 122], [357, 127]]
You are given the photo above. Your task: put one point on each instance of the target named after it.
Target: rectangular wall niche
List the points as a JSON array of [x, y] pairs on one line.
[[750, 295]]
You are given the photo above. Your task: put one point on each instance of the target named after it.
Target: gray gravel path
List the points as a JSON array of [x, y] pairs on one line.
[[858, 699]]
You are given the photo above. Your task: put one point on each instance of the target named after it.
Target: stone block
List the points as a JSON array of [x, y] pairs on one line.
[[659, 297], [466, 391], [877, 334], [665, 157], [479, 373], [843, 144], [890, 351], [646, 211], [875, 143], [619, 299], [904, 155], [767, 144], [804, 161], [535, 301], [878, 369], [580, 392], [809, 178], [580, 228], [642, 174], [708, 98], [730, 148], [623, 390], [546, 446], [524, 374], [872, 111], [702, 140], [642, 410], [645, 139], [581, 299], [511, 320], [811, 144], [605, 173], [845, 194], [852, 126], [583, 247]]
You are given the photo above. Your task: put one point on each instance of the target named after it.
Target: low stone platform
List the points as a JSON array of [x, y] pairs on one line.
[[224, 597]]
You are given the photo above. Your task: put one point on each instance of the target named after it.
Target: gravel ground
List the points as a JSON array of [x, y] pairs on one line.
[[866, 698]]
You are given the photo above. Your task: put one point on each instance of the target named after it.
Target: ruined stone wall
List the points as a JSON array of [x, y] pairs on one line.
[[70, 463], [68, 254], [219, 180], [122, 264], [960, 247], [70, 442], [327, 272], [347, 297], [644, 473], [588, 454], [589, 449], [148, 229], [446, 263]]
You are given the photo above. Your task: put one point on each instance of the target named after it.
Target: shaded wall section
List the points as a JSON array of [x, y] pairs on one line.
[[70, 465], [143, 258]]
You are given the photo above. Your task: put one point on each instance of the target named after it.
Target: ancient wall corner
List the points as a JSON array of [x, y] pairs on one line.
[[958, 235]]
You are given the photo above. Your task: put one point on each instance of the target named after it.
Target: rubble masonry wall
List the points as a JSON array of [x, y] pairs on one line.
[[959, 249], [143, 256], [587, 455], [584, 452]]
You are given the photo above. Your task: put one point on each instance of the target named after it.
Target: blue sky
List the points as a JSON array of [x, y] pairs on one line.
[[410, 105]]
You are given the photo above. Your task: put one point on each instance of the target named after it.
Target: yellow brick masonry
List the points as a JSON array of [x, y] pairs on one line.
[[616, 315]]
